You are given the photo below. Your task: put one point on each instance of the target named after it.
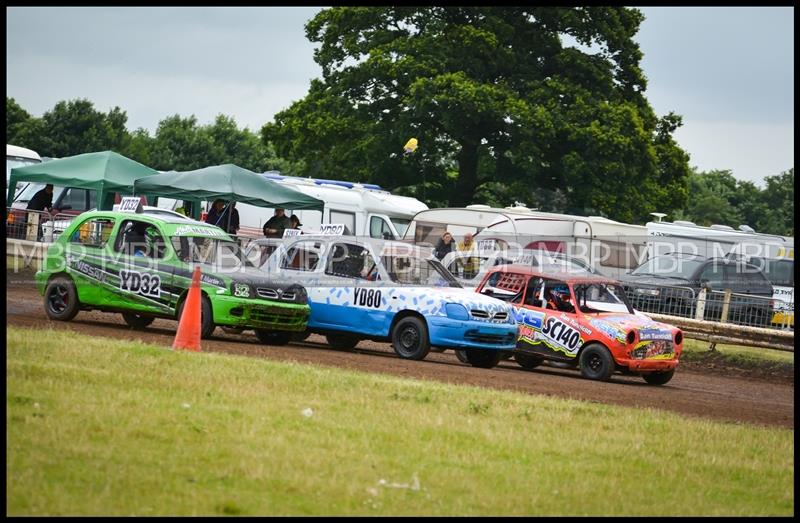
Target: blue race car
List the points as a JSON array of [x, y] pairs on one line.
[[362, 288]]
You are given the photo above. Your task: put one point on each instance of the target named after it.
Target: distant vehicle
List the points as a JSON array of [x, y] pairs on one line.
[[19, 157], [608, 246], [365, 210], [363, 288], [648, 287], [583, 321], [776, 260], [469, 268]]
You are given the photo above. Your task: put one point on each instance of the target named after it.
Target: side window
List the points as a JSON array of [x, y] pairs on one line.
[[781, 272], [140, 239], [714, 273], [94, 232], [346, 218], [620, 254], [378, 228], [302, 256], [557, 296], [348, 260], [75, 198]]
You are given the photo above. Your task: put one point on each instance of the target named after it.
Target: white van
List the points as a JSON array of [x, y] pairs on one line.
[[19, 157], [607, 246], [715, 241], [365, 210]]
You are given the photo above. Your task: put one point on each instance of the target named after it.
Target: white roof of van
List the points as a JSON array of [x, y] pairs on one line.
[[16, 150]]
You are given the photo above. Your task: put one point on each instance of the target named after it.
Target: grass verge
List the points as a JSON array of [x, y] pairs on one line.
[[96, 426]]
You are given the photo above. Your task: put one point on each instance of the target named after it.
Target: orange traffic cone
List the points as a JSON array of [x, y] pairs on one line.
[[188, 335]]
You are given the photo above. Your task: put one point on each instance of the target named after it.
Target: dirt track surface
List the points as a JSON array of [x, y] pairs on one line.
[[699, 392]]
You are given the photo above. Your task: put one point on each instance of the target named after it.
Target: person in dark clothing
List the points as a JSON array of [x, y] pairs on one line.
[[444, 246], [230, 217], [215, 213], [41, 201], [275, 226]]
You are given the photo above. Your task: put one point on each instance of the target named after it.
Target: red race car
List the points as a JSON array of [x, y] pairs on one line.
[[583, 320]]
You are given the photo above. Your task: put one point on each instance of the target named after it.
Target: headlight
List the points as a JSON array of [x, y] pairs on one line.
[[241, 290], [648, 292], [456, 311]]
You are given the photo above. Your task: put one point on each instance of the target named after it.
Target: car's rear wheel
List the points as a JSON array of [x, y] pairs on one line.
[[61, 299], [596, 362], [206, 318], [528, 361], [461, 354], [273, 337], [658, 378], [342, 341], [137, 321], [410, 338], [483, 358], [300, 336]]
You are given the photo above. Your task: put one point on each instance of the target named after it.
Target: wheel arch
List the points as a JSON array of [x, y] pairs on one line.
[[405, 314]]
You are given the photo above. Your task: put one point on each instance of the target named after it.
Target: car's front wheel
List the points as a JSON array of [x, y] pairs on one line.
[[137, 321], [273, 337], [596, 362], [342, 341], [658, 378], [482, 358], [528, 361], [206, 318], [461, 354], [61, 299], [410, 338]]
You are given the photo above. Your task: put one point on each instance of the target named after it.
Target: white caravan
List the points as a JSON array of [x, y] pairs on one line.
[[715, 241], [364, 210], [19, 157], [609, 247]]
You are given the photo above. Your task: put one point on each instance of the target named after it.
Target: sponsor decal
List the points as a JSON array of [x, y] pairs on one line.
[[576, 324], [654, 334], [87, 269], [367, 298], [551, 331], [140, 283], [609, 330], [528, 317], [211, 280], [653, 350], [198, 229]]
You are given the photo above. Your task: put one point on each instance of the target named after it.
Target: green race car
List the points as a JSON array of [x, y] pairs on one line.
[[141, 266]]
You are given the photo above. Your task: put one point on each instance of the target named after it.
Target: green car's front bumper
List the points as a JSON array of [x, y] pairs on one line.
[[259, 314]]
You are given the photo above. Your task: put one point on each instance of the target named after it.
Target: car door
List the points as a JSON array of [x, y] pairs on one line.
[[145, 265], [88, 261]]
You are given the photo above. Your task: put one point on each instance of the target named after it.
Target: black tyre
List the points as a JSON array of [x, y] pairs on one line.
[[528, 361], [273, 337], [61, 299], [483, 358], [300, 336], [658, 378], [410, 338], [342, 341], [596, 362], [206, 317], [137, 321], [461, 354]]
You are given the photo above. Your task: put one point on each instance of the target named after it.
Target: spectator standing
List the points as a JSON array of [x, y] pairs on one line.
[[277, 224], [470, 264], [444, 245]]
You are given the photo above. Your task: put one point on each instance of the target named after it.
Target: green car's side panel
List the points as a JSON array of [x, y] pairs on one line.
[[113, 281]]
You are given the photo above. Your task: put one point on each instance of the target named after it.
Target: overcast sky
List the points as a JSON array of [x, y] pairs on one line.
[[729, 71]]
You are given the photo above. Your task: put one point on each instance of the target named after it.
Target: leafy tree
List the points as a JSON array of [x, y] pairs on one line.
[[181, 145], [16, 117], [76, 127], [778, 198], [494, 96]]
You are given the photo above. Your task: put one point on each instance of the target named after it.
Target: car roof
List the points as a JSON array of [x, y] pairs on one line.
[[147, 216], [567, 276]]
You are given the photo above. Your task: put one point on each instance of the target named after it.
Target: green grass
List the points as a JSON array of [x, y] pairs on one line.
[[736, 355], [98, 426]]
